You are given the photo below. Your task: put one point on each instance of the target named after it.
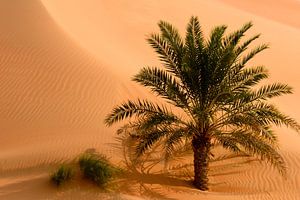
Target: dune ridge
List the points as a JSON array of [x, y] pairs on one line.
[[52, 91], [65, 64], [288, 9]]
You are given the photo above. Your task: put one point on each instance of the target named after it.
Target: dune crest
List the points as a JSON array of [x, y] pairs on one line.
[[283, 11], [53, 93], [65, 64]]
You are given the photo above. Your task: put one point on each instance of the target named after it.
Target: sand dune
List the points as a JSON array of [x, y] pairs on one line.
[[53, 94], [64, 64], [285, 12]]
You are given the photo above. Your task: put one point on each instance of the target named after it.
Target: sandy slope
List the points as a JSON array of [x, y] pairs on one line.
[[54, 96], [50, 88], [286, 12], [64, 64]]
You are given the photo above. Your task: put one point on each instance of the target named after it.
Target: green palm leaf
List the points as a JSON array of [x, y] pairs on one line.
[[241, 140], [164, 84], [131, 108]]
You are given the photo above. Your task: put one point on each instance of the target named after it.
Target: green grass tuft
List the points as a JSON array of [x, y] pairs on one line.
[[62, 174], [96, 168]]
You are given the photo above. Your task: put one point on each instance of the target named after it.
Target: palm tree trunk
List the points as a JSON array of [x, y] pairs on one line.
[[201, 149]]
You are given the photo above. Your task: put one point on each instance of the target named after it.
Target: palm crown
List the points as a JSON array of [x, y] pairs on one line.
[[222, 100]]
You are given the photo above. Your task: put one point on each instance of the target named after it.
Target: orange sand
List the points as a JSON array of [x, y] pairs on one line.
[[65, 64]]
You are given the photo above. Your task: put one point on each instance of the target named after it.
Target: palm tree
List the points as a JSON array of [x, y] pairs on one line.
[[219, 98]]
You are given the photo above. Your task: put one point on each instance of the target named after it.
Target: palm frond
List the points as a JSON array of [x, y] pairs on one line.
[[241, 140], [194, 47], [149, 139], [163, 84], [233, 39], [246, 78], [229, 55], [216, 38], [244, 46], [261, 113], [131, 108], [175, 138], [227, 142], [154, 121], [165, 52], [270, 114], [244, 60], [171, 35], [194, 36], [271, 90]]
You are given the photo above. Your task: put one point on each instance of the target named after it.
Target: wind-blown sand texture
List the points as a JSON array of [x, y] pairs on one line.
[[65, 64]]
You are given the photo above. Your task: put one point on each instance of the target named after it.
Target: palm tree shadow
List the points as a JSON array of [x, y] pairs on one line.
[[228, 164], [147, 174], [149, 185], [151, 176]]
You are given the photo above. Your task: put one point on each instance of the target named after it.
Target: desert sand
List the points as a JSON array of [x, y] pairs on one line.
[[65, 64]]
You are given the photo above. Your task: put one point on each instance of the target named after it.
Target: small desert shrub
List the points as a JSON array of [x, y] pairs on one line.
[[62, 174], [96, 168]]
